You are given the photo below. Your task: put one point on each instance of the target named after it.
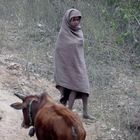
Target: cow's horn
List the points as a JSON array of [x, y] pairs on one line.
[[22, 97]]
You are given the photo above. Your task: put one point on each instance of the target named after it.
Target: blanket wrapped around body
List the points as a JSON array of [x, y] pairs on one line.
[[70, 68]]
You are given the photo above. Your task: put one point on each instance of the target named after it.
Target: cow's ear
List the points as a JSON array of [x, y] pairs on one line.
[[17, 105]]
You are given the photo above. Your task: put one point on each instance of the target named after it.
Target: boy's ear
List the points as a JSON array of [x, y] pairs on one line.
[[17, 105]]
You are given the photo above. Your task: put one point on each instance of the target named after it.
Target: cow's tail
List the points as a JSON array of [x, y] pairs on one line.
[[69, 117], [72, 120], [74, 133]]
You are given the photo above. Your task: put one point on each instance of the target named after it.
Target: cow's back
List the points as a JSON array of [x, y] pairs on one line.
[[56, 122]]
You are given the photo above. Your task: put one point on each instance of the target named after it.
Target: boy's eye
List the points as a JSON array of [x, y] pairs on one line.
[[75, 19]]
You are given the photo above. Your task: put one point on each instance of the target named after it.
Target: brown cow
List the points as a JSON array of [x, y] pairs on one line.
[[51, 121]]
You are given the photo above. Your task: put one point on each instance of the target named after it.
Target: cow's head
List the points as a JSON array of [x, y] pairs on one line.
[[28, 107]]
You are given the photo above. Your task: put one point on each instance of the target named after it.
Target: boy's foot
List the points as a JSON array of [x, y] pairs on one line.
[[86, 116]]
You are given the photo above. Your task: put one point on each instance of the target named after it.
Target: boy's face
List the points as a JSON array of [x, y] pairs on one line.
[[75, 21]]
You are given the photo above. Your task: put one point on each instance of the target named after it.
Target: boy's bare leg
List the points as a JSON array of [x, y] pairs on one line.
[[85, 107], [72, 97]]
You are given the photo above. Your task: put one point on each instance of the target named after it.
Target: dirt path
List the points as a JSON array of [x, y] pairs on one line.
[[12, 79]]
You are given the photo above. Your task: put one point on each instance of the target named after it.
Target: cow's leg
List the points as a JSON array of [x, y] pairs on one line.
[[85, 107], [72, 97]]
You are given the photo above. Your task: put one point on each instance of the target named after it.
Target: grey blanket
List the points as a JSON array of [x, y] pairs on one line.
[[70, 68]]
